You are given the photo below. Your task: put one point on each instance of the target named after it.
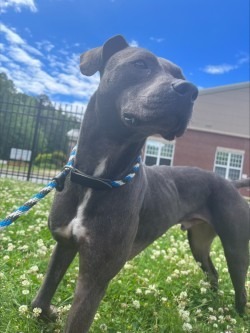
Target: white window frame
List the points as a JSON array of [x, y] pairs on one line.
[[159, 143], [227, 166]]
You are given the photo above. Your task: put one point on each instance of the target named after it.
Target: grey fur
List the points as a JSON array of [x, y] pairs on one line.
[[138, 95]]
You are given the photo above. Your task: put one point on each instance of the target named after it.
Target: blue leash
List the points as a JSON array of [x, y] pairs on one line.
[[55, 183], [58, 183]]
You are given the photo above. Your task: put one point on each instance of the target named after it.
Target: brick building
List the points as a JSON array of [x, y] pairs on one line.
[[217, 139]]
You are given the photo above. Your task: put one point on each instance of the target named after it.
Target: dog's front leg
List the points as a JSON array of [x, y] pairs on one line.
[[95, 272], [59, 262]]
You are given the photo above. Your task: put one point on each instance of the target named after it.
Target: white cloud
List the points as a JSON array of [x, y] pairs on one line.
[[39, 71], [157, 40], [219, 69], [11, 36], [134, 43], [21, 56], [45, 45], [243, 59], [17, 5]]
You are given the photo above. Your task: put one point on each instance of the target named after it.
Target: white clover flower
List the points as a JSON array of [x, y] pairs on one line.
[[212, 318], [168, 279], [6, 258], [33, 269], [20, 232], [184, 314], [103, 327], [23, 248], [124, 305], [40, 242], [25, 283], [138, 291], [183, 295], [10, 247], [25, 292], [136, 304], [187, 327], [221, 319], [37, 312], [23, 309], [40, 276], [164, 299], [97, 316], [203, 290]]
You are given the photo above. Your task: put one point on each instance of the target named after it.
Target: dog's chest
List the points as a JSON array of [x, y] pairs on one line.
[[76, 227]]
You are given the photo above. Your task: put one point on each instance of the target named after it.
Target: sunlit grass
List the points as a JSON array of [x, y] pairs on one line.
[[162, 290]]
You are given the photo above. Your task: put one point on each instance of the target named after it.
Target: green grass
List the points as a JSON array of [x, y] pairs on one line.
[[162, 290]]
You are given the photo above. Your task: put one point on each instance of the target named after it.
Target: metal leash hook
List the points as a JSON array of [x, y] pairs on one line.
[[56, 183]]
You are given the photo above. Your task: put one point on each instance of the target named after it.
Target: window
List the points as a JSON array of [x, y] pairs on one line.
[[228, 164], [158, 152]]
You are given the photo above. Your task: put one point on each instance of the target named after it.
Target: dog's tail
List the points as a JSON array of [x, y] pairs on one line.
[[241, 183]]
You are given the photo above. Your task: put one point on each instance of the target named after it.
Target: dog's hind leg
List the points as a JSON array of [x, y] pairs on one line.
[[237, 255], [59, 262], [200, 237]]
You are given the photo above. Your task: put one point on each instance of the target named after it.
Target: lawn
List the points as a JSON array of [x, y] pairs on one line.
[[162, 290]]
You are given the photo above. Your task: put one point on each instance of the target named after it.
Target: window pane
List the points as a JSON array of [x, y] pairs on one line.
[[234, 174], [167, 150], [150, 160], [165, 161], [152, 150], [236, 160], [221, 158], [220, 171]]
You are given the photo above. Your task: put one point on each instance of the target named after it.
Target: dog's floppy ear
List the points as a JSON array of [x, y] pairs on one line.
[[94, 60]]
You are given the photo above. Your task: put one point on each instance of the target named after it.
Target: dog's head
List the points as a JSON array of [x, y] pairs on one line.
[[149, 94]]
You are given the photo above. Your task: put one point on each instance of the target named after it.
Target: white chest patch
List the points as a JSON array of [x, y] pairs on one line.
[[76, 227], [78, 230]]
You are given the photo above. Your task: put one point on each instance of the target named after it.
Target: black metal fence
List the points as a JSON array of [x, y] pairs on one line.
[[36, 137]]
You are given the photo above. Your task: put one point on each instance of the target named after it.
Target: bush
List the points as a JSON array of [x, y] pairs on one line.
[[57, 158]]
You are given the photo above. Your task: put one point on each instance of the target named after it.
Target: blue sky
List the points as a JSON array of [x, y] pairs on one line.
[[41, 40]]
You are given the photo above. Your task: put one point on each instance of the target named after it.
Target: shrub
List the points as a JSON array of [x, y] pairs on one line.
[[57, 158]]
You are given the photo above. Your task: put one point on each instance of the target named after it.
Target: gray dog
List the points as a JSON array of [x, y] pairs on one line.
[[112, 207]]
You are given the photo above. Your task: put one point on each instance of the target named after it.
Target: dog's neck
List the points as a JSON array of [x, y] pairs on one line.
[[99, 153]]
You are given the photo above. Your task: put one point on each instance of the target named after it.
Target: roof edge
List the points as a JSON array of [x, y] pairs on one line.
[[242, 136], [228, 87]]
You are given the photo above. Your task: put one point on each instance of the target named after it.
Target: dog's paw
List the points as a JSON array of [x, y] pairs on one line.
[[49, 314]]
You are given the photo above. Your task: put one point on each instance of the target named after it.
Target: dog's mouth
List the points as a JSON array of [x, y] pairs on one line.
[[157, 125]]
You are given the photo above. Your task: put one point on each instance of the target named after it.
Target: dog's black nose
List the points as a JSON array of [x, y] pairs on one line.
[[185, 88]]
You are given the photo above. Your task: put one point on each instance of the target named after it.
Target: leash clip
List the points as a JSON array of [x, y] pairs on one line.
[[60, 179]]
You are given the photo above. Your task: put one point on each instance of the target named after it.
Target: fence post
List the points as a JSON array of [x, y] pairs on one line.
[[35, 137]]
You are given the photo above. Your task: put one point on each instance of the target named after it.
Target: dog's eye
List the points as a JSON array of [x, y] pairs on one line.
[[140, 64]]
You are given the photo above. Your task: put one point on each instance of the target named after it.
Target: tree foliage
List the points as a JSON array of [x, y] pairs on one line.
[[32, 123]]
